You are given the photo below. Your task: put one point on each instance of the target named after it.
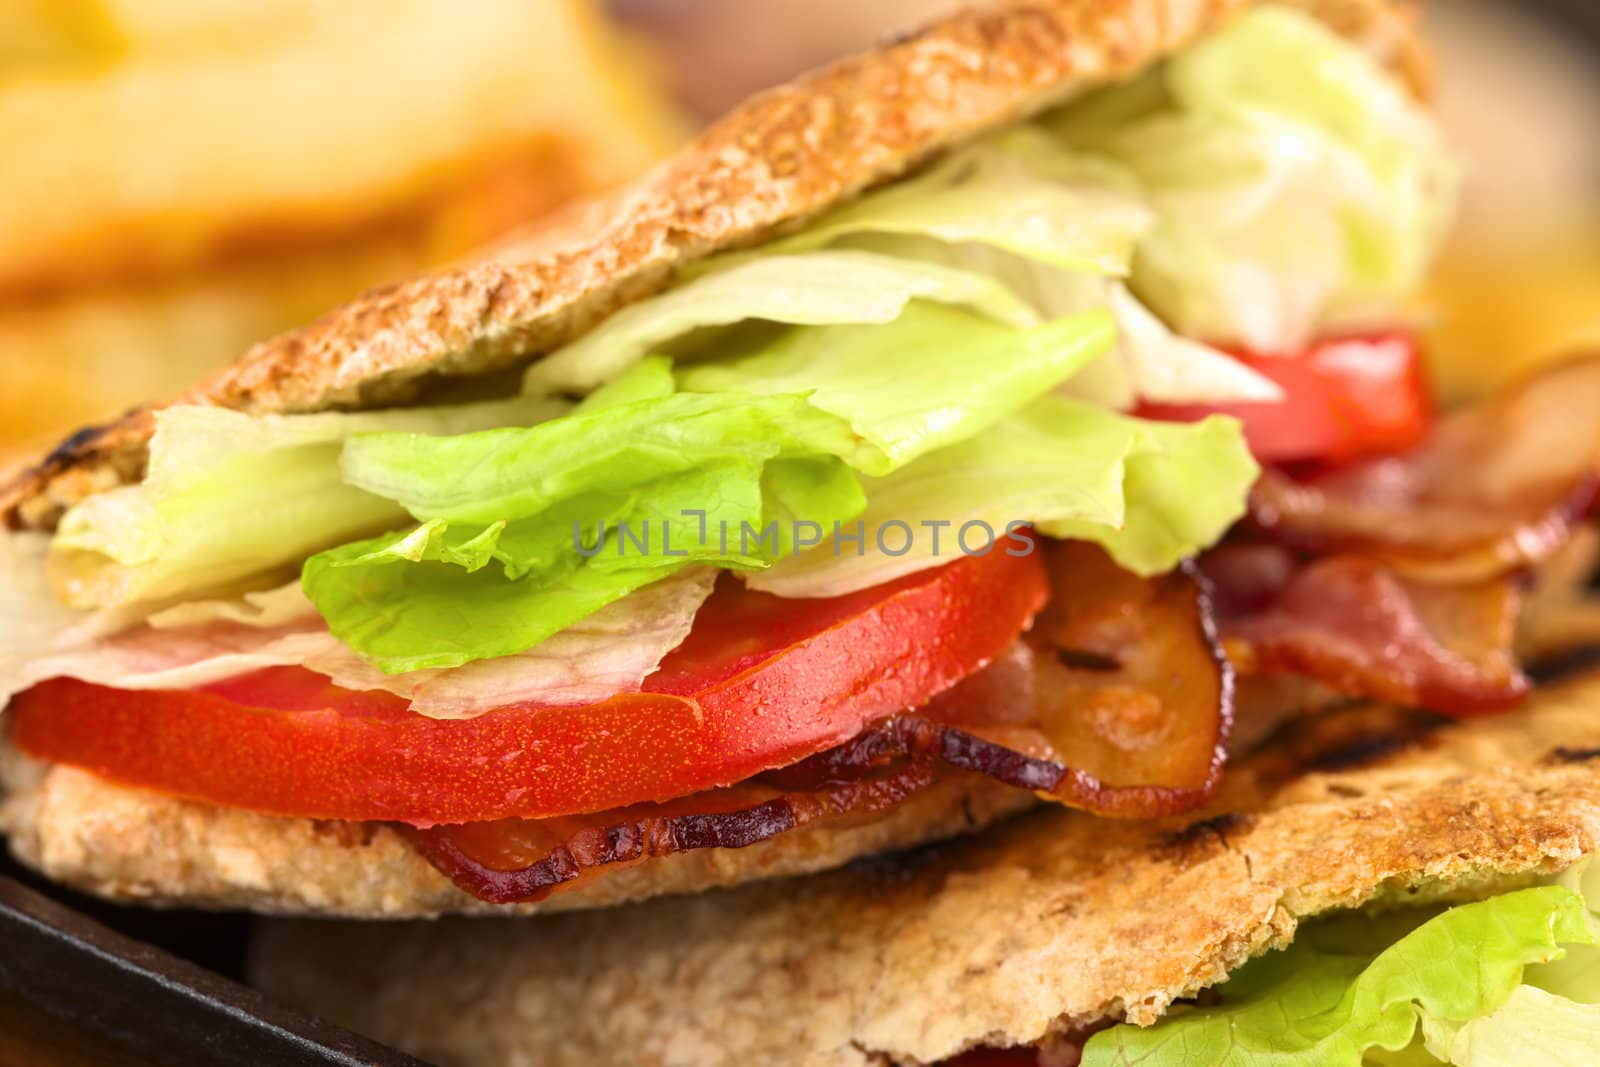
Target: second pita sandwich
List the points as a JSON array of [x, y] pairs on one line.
[[936, 436]]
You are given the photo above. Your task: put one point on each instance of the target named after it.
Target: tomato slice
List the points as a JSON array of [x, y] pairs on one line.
[[762, 682], [1343, 398]]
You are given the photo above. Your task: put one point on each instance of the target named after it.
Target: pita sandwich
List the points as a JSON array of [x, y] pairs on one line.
[[610, 566], [1033, 935]]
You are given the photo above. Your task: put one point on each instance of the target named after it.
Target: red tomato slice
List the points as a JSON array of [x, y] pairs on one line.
[[761, 682], [1343, 398]]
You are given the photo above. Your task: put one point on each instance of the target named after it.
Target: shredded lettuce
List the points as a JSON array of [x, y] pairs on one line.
[[1449, 990], [1296, 184]]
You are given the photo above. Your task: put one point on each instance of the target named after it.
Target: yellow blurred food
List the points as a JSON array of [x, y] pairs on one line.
[[1505, 303], [1520, 284], [186, 177]]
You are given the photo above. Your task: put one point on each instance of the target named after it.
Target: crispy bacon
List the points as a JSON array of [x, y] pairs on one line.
[[1498, 486], [1366, 631], [1118, 702], [515, 860], [1131, 698]]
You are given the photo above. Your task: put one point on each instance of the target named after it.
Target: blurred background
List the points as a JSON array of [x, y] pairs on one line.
[[183, 178]]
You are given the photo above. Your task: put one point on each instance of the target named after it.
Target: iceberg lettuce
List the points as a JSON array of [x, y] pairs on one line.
[[813, 288], [229, 497], [1022, 191], [1449, 990], [500, 561], [1068, 468], [935, 376], [1296, 185], [199, 642]]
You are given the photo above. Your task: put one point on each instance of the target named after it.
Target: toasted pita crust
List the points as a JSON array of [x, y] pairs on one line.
[[129, 845], [1055, 921], [783, 156]]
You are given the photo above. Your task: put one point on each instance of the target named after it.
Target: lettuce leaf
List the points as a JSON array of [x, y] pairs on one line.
[[1071, 469], [228, 497], [1021, 191], [936, 376], [527, 531], [1296, 184], [1059, 228], [204, 641], [1531, 1027], [815, 288], [33, 622], [1148, 359], [698, 468], [1317, 1006], [1165, 518]]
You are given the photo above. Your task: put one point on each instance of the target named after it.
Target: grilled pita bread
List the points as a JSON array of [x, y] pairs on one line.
[[1052, 923], [771, 164], [134, 846]]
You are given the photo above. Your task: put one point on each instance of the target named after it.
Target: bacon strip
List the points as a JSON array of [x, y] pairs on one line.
[[516, 860], [1132, 698], [1498, 486], [1118, 702], [1366, 631]]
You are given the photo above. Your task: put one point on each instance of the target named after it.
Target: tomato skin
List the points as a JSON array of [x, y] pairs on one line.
[[284, 741], [1344, 398]]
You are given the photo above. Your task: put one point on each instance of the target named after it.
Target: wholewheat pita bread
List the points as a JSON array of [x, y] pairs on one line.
[[1052, 922], [137, 847], [780, 158]]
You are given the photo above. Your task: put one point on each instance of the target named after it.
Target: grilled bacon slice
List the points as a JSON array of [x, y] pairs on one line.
[[1498, 486], [1365, 630]]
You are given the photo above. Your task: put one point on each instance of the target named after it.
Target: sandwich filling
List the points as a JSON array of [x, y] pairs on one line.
[[935, 486]]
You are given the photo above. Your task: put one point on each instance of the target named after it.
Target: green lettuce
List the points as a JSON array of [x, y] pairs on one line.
[[527, 531], [499, 562], [1296, 184], [1164, 519], [1068, 468], [814, 288], [228, 496], [936, 376], [1022, 191], [1450, 990]]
